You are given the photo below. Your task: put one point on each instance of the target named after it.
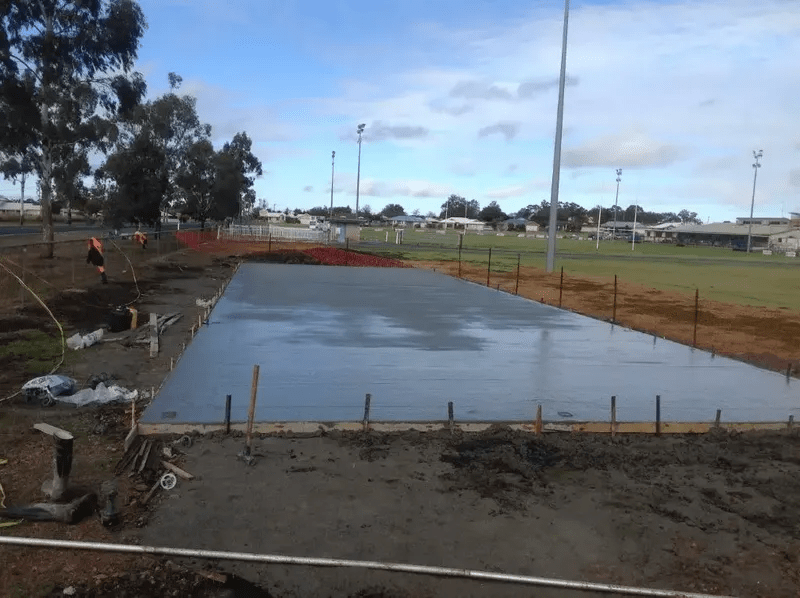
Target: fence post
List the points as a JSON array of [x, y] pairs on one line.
[[516, 285], [561, 287], [489, 268], [614, 314], [460, 242], [696, 313], [658, 415], [613, 416]]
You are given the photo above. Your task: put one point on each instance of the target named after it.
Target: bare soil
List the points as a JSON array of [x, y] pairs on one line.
[[716, 513]]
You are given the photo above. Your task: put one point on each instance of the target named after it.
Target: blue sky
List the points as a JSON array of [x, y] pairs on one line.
[[460, 97]]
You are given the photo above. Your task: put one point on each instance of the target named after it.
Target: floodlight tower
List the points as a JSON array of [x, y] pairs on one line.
[[359, 130], [757, 155], [616, 200], [333, 158], [553, 220]]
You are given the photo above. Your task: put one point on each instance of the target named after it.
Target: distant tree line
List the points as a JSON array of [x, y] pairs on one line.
[[68, 91], [573, 216]]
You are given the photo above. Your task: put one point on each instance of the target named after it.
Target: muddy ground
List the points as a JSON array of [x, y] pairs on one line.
[[716, 513]]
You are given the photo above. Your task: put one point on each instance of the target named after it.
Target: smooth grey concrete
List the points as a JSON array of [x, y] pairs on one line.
[[414, 339]]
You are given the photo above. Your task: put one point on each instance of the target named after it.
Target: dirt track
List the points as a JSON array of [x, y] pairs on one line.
[[716, 514]]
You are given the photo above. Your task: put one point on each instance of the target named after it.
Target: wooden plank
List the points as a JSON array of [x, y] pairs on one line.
[[177, 470], [53, 431], [143, 462], [153, 335]]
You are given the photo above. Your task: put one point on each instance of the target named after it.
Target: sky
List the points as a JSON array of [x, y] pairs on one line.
[[460, 97]]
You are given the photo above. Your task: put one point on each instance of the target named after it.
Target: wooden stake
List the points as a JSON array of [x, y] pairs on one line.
[[516, 285], [460, 243], [153, 334], [717, 419], [450, 418], [538, 425], [696, 314], [227, 414], [614, 314], [251, 413], [561, 287], [613, 416], [658, 415], [489, 268], [366, 411], [791, 422]]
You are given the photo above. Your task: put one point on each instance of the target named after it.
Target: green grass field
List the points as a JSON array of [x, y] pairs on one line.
[[719, 274]]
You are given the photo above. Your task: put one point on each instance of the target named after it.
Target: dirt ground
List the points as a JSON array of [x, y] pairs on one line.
[[715, 513]]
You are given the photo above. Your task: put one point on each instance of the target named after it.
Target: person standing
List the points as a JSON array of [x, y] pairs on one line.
[[140, 237], [95, 257]]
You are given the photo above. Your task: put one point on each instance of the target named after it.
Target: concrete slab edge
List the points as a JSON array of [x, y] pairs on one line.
[[147, 429]]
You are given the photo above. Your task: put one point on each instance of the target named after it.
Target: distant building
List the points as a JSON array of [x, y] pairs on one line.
[[661, 233], [272, 216], [728, 234], [9, 209], [465, 223], [407, 221]]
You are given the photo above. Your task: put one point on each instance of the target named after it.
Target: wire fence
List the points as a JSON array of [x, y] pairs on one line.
[[67, 268], [264, 232]]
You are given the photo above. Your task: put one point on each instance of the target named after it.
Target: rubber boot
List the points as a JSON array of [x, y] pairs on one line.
[[103, 278]]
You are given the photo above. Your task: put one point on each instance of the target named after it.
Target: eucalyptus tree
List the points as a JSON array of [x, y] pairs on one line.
[[65, 75], [141, 172], [242, 167]]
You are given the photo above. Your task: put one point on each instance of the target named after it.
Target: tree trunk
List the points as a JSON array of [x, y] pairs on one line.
[[22, 201], [45, 185], [46, 173]]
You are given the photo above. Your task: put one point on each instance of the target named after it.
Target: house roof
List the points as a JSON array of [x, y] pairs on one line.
[[729, 228], [462, 220], [407, 218], [664, 226], [791, 234]]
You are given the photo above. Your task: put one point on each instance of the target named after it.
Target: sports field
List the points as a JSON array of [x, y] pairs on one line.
[[719, 274]]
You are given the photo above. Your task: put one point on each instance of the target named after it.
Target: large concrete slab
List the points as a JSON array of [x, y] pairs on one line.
[[414, 339]]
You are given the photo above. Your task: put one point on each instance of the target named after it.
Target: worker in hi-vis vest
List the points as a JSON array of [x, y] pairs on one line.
[[140, 237], [95, 256]]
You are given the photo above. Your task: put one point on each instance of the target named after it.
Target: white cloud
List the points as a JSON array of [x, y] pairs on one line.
[[622, 151], [676, 89], [525, 189], [508, 130]]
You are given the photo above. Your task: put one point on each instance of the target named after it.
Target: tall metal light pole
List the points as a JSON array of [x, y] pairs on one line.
[[633, 237], [757, 155], [333, 158], [551, 237], [599, 214], [360, 130], [616, 199]]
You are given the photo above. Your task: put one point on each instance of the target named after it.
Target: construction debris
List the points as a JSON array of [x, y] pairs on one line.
[[78, 341], [100, 395], [177, 470], [56, 488], [45, 389], [71, 512]]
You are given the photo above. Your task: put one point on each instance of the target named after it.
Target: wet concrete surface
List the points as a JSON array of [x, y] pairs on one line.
[[414, 339]]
